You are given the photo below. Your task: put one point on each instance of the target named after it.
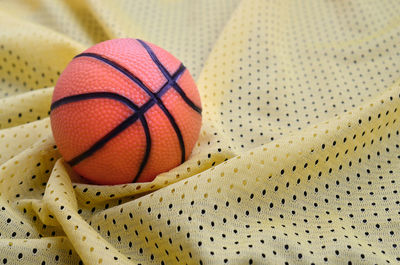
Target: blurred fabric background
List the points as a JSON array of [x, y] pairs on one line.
[[298, 158]]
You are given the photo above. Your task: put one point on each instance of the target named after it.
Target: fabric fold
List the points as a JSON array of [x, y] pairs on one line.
[[298, 157]]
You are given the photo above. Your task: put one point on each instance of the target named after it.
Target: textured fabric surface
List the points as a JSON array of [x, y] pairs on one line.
[[298, 160]]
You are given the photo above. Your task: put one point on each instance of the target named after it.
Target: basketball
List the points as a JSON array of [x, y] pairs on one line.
[[125, 110]]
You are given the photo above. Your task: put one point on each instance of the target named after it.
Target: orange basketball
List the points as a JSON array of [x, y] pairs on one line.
[[125, 110]]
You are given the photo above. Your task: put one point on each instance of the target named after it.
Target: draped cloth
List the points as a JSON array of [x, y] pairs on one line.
[[298, 159]]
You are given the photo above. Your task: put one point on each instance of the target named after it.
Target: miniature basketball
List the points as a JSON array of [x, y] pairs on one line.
[[125, 110]]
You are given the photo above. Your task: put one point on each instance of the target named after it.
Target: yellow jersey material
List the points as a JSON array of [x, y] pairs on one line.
[[298, 159]]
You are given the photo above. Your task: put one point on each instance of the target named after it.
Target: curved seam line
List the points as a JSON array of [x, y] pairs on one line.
[[171, 82], [113, 133], [148, 147], [95, 95], [169, 77]]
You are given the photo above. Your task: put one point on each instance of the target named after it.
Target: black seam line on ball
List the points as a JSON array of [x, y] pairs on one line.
[[137, 81], [117, 130], [178, 89], [148, 147], [94, 95], [170, 78], [170, 82], [114, 96], [175, 76]]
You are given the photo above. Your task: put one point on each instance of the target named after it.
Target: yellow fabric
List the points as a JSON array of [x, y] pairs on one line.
[[298, 160]]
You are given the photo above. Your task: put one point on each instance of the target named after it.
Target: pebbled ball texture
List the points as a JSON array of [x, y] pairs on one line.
[[125, 111]]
